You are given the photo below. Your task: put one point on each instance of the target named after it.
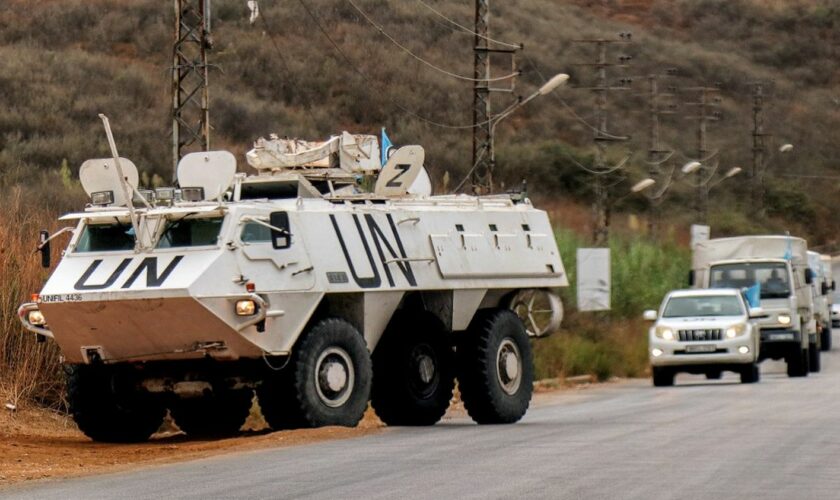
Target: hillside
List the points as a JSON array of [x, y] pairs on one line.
[[61, 63]]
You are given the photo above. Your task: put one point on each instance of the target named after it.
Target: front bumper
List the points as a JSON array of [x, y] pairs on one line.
[[23, 314], [776, 336], [147, 329], [675, 353]]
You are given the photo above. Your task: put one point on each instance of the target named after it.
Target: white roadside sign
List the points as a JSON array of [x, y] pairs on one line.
[[593, 279], [699, 234]]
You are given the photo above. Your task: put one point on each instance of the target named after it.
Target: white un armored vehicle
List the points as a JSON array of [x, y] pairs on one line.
[[296, 284]]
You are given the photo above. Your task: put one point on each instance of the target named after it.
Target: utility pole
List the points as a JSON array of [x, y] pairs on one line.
[[602, 137], [656, 155], [483, 156], [759, 150], [706, 109], [190, 98]]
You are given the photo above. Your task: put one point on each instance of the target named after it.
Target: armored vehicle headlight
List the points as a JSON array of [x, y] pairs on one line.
[[664, 333], [146, 194], [734, 331], [192, 194], [36, 318], [246, 307], [102, 198], [783, 319], [165, 193]]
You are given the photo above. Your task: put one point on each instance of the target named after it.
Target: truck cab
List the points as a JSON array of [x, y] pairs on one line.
[[822, 291], [778, 266]]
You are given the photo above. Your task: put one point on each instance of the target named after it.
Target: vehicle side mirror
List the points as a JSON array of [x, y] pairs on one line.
[[649, 315], [691, 278], [281, 237], [44, 248], [809, 276], [757, 312]]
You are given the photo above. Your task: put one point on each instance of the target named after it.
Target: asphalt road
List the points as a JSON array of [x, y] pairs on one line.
[[776, 439]]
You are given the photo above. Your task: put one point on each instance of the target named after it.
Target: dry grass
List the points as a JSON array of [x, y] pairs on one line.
[[29, 371]]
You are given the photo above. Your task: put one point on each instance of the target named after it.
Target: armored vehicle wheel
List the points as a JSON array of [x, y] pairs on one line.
[[219, 414], [413, 371], [797, 363], [495, 368], [750, 374], [328, 380], [714, 375], [108, 408], [814, 358], [662, 377], [825, 341]]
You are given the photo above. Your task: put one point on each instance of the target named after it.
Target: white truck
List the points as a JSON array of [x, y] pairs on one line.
[[779, 265], [297, 285], [821, 290], [704, 332]]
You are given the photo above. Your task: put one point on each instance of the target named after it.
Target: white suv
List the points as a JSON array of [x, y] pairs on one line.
[[704, 332]]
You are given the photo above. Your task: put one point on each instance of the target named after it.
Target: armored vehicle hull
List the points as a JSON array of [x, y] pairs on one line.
[[320, 303]]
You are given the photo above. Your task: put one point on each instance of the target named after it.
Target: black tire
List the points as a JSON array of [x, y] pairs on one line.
[[662, 376], [107, 407], [219, 414], [714, 375], [797, 363], [327, 382], [750, 374], [825, 340], [493, 394], [814, 364], [413, 371]]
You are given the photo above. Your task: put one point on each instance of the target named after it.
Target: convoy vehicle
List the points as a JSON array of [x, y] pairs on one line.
[[295, 284], [821, 291], [779, 266], [835, 315], [704, 332]]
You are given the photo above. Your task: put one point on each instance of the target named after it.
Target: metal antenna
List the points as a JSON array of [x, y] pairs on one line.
[[483, 157], [190, 98], [124, 185]]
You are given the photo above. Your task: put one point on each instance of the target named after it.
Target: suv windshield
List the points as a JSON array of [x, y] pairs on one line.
[[106, 238], [708, 305], [191, 233], [771, 276]]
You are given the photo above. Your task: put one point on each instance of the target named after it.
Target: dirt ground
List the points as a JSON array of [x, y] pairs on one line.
[[37, 444]]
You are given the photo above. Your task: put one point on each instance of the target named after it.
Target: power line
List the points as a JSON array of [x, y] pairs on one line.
[[364, 77], [566, 105], [805, 176], [420, 59], [289, 74], [465, 29]]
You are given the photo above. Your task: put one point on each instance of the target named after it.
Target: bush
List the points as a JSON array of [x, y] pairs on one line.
[[613, 343]]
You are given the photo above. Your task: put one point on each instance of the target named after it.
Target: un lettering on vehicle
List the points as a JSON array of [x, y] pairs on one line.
[[383, 251], [154, 272]]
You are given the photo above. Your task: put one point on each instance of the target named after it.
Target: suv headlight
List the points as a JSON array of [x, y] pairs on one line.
[[735, 330], [783, 319], [665, 333]]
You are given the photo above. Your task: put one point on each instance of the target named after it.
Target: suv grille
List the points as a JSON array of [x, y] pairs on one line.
[[700, 335]]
